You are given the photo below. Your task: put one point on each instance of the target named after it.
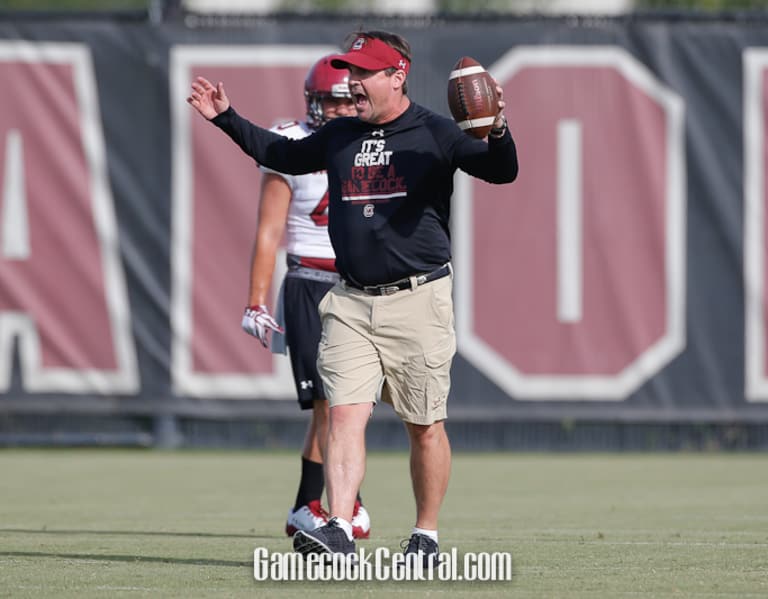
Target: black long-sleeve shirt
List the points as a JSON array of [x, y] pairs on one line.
[[389, 185]]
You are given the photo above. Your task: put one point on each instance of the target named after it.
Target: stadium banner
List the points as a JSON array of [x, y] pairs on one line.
[[620, 278]]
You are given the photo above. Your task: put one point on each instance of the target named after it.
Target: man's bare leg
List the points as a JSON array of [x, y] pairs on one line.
[[430, 470], [345, 457]]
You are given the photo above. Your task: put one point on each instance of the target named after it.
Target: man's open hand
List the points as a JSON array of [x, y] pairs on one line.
[[208, 100]]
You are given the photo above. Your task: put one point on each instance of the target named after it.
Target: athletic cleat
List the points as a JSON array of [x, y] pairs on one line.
[[424, 546], [328, 539], [361, 522], [307, 517]]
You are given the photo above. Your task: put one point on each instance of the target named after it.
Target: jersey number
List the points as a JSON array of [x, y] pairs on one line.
[[320, 213]]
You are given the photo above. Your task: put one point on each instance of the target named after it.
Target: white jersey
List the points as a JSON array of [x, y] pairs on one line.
[[306, 229]]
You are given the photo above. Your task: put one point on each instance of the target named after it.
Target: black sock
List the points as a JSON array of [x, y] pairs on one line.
[[360, 499], [311, 484]]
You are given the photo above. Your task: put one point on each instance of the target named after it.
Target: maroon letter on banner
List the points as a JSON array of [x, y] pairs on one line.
[[570, 281], [216, 201], [62, 290]]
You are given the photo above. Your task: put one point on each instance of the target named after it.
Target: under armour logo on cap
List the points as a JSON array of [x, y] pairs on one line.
[[359, 43]]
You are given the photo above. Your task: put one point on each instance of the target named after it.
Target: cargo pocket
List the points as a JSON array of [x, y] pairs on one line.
[[438, 380], [406, 389]]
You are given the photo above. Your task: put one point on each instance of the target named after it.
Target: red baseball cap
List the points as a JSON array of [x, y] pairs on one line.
[[371, 54]]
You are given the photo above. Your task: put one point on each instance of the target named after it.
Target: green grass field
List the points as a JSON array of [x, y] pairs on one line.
[[109, 523]]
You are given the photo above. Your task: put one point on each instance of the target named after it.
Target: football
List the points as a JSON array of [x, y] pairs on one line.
[[472, 97]]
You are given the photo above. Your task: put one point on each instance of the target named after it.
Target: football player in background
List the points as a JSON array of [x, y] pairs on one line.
[[297, 205]]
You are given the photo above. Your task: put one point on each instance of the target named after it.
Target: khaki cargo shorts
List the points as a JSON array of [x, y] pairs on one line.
[[406, 339]]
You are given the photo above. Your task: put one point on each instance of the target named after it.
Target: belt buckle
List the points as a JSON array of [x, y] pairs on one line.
[[389, 290]]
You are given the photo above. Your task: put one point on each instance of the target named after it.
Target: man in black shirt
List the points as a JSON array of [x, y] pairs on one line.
[[388, 324]]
